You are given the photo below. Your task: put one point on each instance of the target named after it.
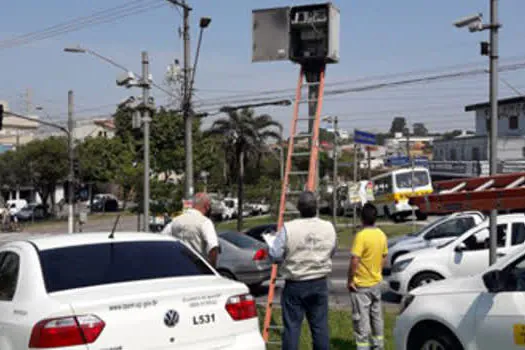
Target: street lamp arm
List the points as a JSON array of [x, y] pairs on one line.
[[53, 125], [110, 61]]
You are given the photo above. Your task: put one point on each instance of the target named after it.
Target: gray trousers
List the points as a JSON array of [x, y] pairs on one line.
[[367, 317]]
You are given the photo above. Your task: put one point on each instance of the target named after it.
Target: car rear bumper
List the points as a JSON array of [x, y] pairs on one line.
[[247, 341], [254, 277]]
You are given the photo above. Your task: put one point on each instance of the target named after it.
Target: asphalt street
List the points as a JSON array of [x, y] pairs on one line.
[[339, 295]]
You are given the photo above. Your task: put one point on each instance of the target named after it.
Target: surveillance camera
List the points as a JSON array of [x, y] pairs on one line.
[[126, 79], [473, 20], [126, 102]]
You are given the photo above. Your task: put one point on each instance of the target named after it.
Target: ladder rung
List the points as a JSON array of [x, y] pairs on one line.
[[312, 83], [303, 136], [307, 100], [275, 327], [298, 173], [300, 154], [274, 342], [291, 212], [309, 118], [292, 192]]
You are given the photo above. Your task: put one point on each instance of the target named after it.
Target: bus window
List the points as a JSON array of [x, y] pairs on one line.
[[404, 180]]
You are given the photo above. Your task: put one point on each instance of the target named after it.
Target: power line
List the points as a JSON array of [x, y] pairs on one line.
[[96, 18]]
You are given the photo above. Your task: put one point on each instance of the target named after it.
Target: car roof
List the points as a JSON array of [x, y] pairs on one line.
[[62, 240]]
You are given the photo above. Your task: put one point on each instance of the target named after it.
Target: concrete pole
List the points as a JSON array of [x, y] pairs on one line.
[[186, 104], [146, 121], [356, 164], [494, 26], [334, 181], [369, 159], [71, 177]]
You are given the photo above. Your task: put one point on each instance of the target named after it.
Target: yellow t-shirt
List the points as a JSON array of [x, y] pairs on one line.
[[371, 246]]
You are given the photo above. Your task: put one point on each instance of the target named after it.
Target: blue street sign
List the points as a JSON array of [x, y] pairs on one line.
[[405, 161], [364, 137]]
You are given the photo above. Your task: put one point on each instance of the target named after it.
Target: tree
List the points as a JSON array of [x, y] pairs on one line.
[[420, 129], [245, 136], [398, 125], [47, 164]]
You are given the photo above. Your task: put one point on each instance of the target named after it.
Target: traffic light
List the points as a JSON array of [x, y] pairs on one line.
[[76, 166], [1, 115]]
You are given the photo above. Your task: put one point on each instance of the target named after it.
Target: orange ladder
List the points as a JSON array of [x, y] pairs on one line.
[[315, 77]]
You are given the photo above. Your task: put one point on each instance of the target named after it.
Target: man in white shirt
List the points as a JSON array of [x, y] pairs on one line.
[[194, 228]]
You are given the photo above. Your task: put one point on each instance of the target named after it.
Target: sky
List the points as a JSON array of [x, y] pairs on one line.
[[381, 41]]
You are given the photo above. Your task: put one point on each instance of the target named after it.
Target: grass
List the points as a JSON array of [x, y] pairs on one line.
[[344, 234], [341, 334], [91, 217]]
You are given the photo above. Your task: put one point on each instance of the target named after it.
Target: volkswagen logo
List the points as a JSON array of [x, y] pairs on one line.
[[171, 318]]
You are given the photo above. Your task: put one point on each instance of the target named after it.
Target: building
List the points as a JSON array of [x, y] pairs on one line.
[[468, 156], [16, 131], [418, 145]]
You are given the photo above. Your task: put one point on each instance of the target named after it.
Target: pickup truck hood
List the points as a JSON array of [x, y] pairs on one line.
[[458, 285]]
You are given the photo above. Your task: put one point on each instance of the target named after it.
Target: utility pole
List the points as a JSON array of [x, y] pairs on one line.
[[334, 181], [281, 153], [356, 164], [369, 160], [494, 26], [186, 105], [71, 177], [146, 120]]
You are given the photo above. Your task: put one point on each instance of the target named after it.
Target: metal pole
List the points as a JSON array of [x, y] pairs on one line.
[[146, 119], [334, 182], [71, 177], [369, 158], [186, 103], [494, 25], [413, 194], [354, 206], [281, 154]]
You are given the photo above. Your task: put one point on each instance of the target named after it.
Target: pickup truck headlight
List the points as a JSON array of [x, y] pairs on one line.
[[401, 265]]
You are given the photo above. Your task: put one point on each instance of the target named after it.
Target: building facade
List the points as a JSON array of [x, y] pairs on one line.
[[468, 156]]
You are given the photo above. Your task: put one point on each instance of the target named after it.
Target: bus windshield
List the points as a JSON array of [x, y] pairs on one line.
[[404, 180]]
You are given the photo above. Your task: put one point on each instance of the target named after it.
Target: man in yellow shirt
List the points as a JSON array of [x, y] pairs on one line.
[[365, 274]]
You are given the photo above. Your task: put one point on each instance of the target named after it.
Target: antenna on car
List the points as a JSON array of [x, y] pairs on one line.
[[112, 234]]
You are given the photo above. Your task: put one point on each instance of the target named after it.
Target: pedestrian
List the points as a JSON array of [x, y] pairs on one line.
[[365, 273], [304, 248], [195, 228]]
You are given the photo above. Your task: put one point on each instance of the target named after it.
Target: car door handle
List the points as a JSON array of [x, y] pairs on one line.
[[501, 254]]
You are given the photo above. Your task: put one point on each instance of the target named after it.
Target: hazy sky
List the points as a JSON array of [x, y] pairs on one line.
[[378, 38]]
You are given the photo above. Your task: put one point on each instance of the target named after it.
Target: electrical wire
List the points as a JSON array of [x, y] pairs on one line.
[[99, 17]]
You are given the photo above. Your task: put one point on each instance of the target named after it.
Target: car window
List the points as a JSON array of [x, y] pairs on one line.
[[480, 240], [451, 228], [518, 233], [106, 263], [239, 240], [9, 268], [515, 274]]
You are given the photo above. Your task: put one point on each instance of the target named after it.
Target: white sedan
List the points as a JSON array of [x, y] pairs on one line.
[[481, 312], [133, 291], [466, 255]]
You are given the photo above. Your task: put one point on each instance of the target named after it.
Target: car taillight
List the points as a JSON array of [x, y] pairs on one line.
[[66, 331], [261, 254], [241, 307]]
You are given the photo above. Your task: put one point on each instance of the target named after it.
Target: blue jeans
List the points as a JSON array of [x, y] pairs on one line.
[[310, 298]]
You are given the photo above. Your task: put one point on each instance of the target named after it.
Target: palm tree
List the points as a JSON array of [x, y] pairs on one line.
[[245, 136]]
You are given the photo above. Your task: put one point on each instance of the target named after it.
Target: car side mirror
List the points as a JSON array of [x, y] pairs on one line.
[[494, 281], [460, 247]]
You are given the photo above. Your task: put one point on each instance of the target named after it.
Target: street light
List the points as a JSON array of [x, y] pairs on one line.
[[226, 109], [475, 25]]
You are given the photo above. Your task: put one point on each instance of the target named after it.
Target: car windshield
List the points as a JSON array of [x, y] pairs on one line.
[[426, 227], [240, 240], [108, 263], [404, 180]]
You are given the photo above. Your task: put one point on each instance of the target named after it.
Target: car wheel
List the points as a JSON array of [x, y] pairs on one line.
[[423, 279], [434, 339], [227, 274]]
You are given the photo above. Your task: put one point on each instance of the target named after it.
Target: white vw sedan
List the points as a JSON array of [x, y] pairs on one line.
[[133, 291], [483, 312]]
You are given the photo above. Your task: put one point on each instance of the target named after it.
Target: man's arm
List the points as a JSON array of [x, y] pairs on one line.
[[212, 242], [352, 268], [277, 248]]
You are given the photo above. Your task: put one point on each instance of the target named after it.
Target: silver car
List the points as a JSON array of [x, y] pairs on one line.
[[243, 258]]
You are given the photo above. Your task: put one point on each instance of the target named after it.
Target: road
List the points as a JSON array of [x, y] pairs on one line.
[[339, 297], [338, 293]]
